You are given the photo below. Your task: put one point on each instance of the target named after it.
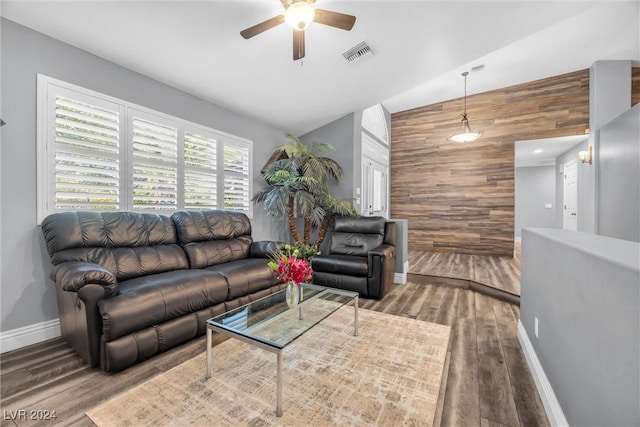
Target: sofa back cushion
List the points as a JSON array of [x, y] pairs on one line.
[[127, 244], [356, 235], [213, 237]]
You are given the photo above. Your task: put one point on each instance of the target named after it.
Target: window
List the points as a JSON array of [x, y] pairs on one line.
[[200, 165], [101, 153], [236, 177]]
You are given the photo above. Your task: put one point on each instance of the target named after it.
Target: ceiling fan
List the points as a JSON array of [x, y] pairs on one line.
[[298, 15]]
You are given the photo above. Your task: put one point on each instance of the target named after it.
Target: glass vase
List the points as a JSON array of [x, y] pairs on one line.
[[292, 294]]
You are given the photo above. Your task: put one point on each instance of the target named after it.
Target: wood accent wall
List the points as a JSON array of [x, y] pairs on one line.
[[635, 85], [459, 197]]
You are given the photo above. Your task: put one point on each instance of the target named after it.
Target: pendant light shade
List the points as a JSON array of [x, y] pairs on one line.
[[465, 133]]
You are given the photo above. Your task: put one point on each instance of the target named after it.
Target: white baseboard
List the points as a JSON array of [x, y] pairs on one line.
[[549, 399], [28, 335], [401, 278]]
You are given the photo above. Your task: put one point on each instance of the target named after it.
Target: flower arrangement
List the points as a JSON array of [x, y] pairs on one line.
[[288, 267]]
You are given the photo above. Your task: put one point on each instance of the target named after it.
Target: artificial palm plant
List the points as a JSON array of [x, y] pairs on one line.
[[300, 183]]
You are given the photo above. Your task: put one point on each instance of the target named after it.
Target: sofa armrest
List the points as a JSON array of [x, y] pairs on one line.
[[74, 275], [264, 249]]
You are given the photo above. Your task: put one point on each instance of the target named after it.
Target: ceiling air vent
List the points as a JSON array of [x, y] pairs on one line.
[[358, 53]]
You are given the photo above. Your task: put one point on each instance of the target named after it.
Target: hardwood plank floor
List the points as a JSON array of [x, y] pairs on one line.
[[486, 383], [499, 272]]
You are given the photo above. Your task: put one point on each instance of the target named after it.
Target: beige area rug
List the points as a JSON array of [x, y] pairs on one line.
[[389, 375]]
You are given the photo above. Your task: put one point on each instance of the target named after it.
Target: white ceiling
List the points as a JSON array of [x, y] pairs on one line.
[[543, 152], [420, 47]]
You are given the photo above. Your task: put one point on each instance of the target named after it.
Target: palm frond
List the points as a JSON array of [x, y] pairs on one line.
[[317, 217], [276, 201], [260, 196], [277, 177], [305, 202], [314, 168], [332, 168], [344, 207], [318, 147]]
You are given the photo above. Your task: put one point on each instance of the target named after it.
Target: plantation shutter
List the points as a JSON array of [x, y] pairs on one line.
[[200, 179], [154, 164], [87, 153], [237, 166], [97, 152]]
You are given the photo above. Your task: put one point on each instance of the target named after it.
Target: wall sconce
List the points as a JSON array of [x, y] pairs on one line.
[[586, 156]]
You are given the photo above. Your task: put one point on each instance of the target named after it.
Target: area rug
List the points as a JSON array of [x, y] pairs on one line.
[[389, 375]]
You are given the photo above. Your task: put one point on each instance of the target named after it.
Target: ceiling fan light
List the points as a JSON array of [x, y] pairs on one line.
[[465, 134], [299, 15]]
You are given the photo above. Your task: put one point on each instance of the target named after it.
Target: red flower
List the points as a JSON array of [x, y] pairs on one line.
[[291, 269]]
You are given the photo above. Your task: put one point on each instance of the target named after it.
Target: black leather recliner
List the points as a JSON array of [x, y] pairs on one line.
[[361, 256]]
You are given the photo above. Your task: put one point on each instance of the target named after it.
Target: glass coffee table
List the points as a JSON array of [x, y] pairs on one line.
[[270, 324]]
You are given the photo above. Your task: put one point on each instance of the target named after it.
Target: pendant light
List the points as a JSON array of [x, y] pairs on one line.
[[465, 134]]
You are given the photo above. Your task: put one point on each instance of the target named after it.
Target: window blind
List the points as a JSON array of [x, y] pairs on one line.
[[236, 177], [155, 165], [87, 164], [200, 179]]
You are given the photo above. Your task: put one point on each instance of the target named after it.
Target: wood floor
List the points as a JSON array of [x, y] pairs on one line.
[[499, 272], [486, 380]]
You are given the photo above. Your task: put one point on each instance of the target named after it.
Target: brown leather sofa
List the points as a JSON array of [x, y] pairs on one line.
[[360, 256], [132, 285]]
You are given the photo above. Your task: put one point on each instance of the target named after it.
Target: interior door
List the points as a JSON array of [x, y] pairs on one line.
[[375, 184], [570, 195]]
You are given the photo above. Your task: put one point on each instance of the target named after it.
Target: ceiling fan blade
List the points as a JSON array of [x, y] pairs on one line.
[[298, 45], [262, 27], [334, 19]]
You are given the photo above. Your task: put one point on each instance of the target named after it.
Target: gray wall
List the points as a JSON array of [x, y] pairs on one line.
[[619, 177], [338, 133], [586, 191], [27, 297], [535, 187], [609, 96], [584, 290]]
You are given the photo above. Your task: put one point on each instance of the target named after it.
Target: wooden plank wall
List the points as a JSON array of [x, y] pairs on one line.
[[460, 197]]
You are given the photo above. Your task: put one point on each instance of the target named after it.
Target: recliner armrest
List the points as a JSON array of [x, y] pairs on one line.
[[74, 275], [264, 249], [382, 251]]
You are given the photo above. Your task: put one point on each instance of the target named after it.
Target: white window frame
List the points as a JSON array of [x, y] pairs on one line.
[[48, 87]]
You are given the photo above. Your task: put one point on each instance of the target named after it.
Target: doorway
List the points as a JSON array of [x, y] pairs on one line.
[[375, 188], [570, 196]]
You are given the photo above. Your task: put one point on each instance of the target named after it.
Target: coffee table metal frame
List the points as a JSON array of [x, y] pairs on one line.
[[212, 327]]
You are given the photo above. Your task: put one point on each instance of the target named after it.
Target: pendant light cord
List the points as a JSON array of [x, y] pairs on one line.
[[465, 91]]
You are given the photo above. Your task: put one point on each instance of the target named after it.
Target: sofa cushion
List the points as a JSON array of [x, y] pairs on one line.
[[246, 276], [213, 237], [341, 264], [356, 235], [153, 299], [127, 244]]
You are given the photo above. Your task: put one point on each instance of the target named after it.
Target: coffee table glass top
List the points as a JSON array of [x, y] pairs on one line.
[[270, 321]]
